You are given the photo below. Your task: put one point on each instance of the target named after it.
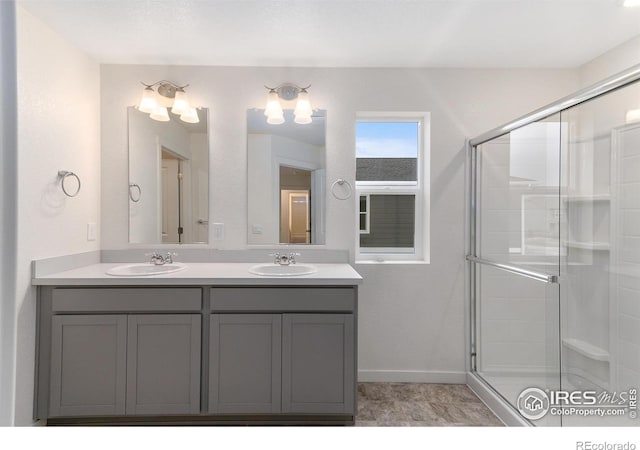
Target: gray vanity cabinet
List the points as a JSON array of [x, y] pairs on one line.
[[209, 354], [287, 350], [119, 352], [281, 363], [152, 360], [245, 363], [88, 365], [318, 367]]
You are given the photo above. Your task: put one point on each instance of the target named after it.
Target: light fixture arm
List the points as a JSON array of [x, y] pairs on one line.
[[287, 91], [166, 88]]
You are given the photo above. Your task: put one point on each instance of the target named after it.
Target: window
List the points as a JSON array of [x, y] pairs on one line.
[[391, 179]]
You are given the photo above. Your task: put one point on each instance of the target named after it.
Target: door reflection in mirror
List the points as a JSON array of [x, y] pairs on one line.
[[172, 175], [295, 213], [169, 161]]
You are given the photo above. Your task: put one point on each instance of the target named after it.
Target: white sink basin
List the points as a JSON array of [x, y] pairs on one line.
[[144, 269], [275, 270]]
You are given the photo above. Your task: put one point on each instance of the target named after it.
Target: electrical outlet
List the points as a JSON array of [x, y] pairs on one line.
[[92, 231], [256, 229], [218, 231]]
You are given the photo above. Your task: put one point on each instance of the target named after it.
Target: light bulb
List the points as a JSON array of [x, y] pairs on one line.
[[631, 3], [191, 116], [273, 107], [302, 119], [160, 114], [180, 103], [148, 102], [275, 119], [303, 107]]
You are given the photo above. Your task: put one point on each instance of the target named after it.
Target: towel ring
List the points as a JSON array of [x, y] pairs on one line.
[[62, 175], [133, 199], [341, 182]]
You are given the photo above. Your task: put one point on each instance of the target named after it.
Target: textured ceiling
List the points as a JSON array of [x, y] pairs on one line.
[[342, 33]]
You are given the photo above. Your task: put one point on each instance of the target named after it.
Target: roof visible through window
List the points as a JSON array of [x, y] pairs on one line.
[[387, 151]]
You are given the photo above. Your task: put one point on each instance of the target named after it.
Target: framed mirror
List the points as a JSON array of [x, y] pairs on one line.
[[286, 180], [168, 179]]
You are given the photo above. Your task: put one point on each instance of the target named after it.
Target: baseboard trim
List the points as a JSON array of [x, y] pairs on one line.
[[412, 376]]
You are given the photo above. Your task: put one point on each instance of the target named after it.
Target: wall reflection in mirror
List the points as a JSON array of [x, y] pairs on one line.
[[286, 179], [168, 180]]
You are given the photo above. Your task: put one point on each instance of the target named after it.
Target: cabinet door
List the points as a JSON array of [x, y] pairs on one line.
[[245, 363], [163, 364], [318, 363], [88, 365]]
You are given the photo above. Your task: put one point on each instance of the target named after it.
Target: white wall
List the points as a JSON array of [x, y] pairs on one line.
[[8, 206], [614, 61], [58, 128], [411, 322]]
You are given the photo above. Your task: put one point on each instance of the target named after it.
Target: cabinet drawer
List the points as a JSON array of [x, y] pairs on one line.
[[283, 299], [126, 299]]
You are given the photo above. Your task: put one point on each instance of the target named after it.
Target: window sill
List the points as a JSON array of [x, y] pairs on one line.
[[421, 262]]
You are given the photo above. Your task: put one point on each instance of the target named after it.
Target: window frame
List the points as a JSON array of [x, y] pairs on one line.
[[418, 188], [367, 214]]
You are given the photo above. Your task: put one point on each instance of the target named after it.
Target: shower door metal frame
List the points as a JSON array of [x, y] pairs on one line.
[[603, 87]]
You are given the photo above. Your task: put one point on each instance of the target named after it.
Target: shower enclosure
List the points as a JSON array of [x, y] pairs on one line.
[[554, 256]]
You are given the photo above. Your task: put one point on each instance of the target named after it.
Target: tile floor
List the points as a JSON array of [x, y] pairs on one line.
[[422, 405]]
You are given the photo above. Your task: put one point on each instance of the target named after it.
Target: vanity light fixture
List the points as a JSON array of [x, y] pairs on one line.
[[288, 92], [167, 94]]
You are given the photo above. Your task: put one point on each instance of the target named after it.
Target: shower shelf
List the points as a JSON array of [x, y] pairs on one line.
[[602, 246], [586, 349], [588, 198]]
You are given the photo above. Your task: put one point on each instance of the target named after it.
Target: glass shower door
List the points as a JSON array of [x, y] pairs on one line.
[[555, 258], [517, 260], [600, 335]]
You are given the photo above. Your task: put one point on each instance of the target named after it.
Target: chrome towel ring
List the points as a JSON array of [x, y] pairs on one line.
[[341, 182], [62, 176], [135, 199]]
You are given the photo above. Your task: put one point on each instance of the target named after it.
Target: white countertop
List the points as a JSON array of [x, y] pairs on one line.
[[213, 274]]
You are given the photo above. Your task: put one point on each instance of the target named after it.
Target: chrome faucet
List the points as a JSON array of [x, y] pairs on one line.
[[284, 260], [159, 260]]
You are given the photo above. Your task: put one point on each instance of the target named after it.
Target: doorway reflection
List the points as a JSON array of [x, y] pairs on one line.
[[295, 207]]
